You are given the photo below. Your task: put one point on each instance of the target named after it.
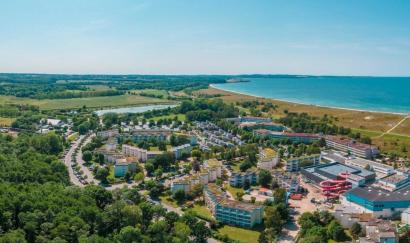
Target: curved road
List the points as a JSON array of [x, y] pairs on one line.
[[68, 162]]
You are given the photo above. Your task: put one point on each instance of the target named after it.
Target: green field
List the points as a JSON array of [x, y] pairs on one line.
[[202, 211], [168, 201], [164, 93], [5, 121], [233, 190], [91, 102], [240, 234], [181, 117]]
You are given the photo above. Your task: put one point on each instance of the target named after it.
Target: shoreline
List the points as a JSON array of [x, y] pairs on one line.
[[319, 106]]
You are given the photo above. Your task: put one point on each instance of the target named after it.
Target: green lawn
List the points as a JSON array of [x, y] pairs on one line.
[[368, 133], [93, 102], [233, 190], [5, 121], [202, 211], [168, 201], [181, 117], [164, 93], [240, 234]]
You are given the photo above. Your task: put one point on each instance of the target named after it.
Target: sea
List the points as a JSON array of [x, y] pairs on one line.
[[379, 94]]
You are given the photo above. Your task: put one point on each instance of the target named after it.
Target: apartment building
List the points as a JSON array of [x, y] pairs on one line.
[[268, 159], [238, 179], [108, 133], [232, 212], [180, 150], [124, 165], [212, 170], [141, 154], [139, 135], [295, 163]]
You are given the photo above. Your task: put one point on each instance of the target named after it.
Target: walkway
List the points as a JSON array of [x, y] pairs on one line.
[[394, 127]]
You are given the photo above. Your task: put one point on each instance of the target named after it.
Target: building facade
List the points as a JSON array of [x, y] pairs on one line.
[[351, 146], [232, 212], [295, 163], [238, 179]]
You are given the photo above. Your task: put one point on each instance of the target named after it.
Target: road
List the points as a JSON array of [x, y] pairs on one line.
[[86, 171], [68, 162]]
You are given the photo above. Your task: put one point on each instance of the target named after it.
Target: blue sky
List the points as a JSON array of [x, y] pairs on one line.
[[206, 37]]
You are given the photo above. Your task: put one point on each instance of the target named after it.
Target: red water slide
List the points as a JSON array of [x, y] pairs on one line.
[[333, 188]]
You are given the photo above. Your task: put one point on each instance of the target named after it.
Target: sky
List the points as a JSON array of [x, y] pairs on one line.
[[366, 37]]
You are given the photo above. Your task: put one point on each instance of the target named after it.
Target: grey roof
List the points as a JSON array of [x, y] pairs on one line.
[[336, 169], [371, 193]]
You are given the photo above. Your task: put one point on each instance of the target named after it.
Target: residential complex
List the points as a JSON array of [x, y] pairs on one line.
[[295, 163], [232, 212], [179, 151], [283, 136], [124, 165], [139, 135], [351, 146], [249, 119], [211, 170], [141, 154], [238, 179], [374, 229], [264, 125], [107, 133]]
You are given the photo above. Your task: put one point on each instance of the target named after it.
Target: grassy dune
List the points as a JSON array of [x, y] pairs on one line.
[[371, 124]]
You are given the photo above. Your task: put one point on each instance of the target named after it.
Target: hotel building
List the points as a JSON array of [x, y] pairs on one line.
[[348, 145], [282, 136], [379, 168]]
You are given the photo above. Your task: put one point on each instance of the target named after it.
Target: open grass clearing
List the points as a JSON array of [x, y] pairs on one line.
[[181, 117], [168, 201], [240, 234], [201, 211], [6, 121]]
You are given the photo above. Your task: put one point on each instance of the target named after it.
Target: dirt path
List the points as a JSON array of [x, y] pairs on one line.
[[394, 127]]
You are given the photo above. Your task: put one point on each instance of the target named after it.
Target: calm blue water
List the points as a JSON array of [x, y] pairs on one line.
[[386, 94]]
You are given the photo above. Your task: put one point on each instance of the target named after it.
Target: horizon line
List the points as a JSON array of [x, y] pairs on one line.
[[209, 74]]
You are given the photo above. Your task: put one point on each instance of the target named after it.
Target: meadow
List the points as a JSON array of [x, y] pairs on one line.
[[91, 102]]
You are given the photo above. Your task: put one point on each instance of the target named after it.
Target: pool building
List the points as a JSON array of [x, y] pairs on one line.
[[357, 176], [378, 201]]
